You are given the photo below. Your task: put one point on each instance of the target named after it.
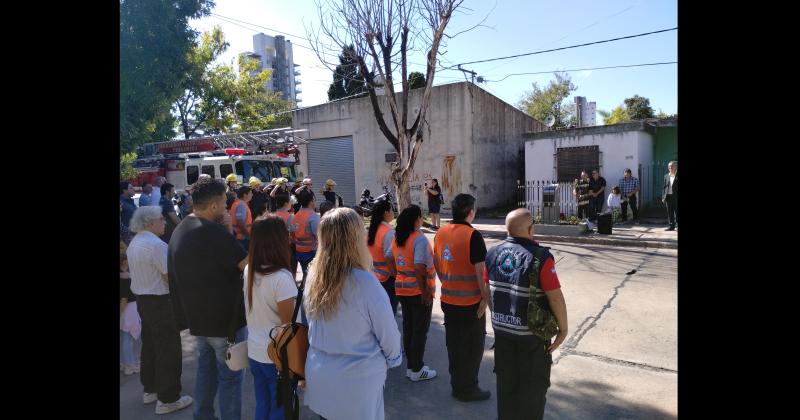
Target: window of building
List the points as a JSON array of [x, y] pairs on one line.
[[570, 161]]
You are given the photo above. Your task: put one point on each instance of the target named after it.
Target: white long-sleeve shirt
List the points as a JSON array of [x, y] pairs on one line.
[[614, 201]]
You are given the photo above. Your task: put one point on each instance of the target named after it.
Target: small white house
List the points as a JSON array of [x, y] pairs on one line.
[[561, 155]]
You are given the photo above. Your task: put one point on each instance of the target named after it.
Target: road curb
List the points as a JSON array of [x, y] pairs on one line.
[[592, 240]]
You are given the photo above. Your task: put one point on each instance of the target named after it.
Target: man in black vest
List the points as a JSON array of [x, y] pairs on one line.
[[519, 270]]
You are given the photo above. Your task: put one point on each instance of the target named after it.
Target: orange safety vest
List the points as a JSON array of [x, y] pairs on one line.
[[305, 242], [455, 271], [379, 266], [248, 221], [406, 281], [286, 216]]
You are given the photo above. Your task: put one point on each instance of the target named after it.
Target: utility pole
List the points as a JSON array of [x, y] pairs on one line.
[[470, 72]]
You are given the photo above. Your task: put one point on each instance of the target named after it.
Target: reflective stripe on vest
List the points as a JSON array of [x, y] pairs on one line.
[[248, 220], [451, 257], [406, 281], [305, 242], [379, 267]]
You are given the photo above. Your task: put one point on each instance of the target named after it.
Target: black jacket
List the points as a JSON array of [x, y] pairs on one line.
[[674, 186]]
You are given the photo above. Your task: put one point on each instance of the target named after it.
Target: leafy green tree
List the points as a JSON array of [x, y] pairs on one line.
[[416, 80], [347, 79], [206, 95], [638, 108], [126, 169], [616, 116], [155, 39], [541, 102]]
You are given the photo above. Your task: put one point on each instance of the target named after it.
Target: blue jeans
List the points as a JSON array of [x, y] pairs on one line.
[[128, 355], [265, 385], [213, 374], [305, 258]]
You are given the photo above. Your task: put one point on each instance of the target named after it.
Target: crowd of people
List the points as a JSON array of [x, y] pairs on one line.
[[590, 192], [224, 267]]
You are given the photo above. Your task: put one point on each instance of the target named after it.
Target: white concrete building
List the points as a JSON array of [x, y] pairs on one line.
[[474, 144], [561, 155], [276, 53]]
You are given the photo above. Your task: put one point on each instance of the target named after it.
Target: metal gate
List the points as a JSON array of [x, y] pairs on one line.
[[333, 159]]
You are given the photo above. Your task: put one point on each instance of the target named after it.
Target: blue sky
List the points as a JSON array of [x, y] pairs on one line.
[[515, 26]]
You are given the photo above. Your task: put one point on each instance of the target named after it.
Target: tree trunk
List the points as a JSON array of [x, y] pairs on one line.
[[402, 188]]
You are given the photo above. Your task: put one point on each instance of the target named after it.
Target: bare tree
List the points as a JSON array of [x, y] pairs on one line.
[[382, 33]]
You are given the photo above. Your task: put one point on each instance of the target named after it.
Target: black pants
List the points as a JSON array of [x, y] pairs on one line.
[[388, 285], [672, 209], [293, 260], [596, 203], [634, 208], [583, 211], [465, 334], [161, 348], [416, 321], [523, 376]]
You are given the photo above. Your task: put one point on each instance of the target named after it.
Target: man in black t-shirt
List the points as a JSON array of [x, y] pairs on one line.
[[205, 264], [597, 187]]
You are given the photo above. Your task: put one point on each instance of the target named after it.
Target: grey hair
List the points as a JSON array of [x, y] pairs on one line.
[[143, 217]]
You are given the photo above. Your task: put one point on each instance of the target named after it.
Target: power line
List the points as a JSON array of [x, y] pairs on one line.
[[259, 26], [566, 48], [573, 33], [227, 20], [593, 68], [233, 22]]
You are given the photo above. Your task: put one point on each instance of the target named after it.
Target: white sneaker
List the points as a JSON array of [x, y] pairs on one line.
[[130, 370], [408, 373], [182, 402], [423, 374], [148, 398]]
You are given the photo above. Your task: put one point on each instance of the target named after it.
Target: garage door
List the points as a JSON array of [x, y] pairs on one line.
[[333, 158]]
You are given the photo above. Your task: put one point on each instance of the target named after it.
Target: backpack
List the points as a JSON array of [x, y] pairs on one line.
[[288, 348], [541, 320]]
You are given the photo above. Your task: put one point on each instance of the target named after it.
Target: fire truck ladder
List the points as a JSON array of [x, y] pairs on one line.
[[264, 140]]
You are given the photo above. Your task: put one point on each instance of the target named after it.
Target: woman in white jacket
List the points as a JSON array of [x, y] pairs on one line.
[[615, 203]]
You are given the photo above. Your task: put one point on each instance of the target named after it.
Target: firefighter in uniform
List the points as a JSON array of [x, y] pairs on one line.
[[411, 257], [459, 254], [528, 310]]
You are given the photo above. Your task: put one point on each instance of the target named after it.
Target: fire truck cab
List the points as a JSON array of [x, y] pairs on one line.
[[265, 155]]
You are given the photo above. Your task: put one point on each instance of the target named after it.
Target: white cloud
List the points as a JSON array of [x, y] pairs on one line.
[[586, 73]]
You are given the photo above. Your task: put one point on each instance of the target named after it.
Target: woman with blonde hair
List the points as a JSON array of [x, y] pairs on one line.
[[353, 337]]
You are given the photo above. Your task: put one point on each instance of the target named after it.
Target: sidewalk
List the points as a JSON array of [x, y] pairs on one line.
[[646, 234]]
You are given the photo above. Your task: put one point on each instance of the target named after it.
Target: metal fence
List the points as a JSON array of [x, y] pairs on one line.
[[547, 200], [550, 201], [651, 179]]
